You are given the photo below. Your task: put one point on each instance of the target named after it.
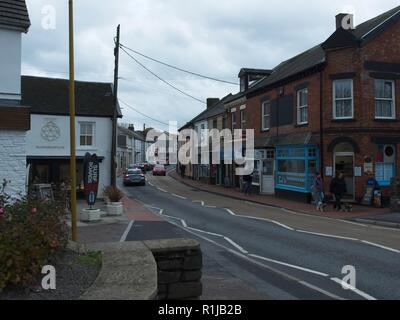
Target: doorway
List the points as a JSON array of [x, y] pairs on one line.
[[267, 173], [344, 162]]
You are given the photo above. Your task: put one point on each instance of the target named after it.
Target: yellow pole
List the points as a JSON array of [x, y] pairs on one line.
[[72, 121]]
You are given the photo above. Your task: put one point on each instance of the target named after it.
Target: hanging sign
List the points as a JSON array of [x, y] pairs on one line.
[[91, 178]]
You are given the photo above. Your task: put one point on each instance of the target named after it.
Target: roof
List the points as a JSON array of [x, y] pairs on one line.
[[138, 135], [51, 96], [316, 55], [254, 71], [213, 111], [14, 15], [302, 62]]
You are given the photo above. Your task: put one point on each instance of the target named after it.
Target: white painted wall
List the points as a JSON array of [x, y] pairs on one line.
[[10, 64], [13, 161], [39, 146]]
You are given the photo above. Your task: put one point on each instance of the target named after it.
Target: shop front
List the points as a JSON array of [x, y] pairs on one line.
[[296, 168], [264, 171]]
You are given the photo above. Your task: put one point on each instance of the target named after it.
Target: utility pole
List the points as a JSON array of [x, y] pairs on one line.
[[114, 126], [72, 164]]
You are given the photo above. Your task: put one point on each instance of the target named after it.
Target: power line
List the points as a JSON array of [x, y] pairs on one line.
[[177, 68], [143, 114], [161, 79]]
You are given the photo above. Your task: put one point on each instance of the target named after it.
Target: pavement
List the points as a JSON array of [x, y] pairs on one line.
[[375, 215]]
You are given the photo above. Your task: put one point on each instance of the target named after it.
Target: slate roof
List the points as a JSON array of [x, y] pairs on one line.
[[14, 15], [316, 55], [51, 96]]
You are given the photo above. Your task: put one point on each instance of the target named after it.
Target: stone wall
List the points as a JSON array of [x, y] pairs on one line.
[[13, 160], [179, 268]]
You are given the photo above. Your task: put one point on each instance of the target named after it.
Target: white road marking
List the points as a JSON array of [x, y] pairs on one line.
[[150, 184], [199, 201], [162, 190], [268, 220], [351, 222], [359, 292], [233, 243], [333, 296], [290, 265], [245, 257], [178, 196], [206, 232], [183, 222], [380, 246], [327, 235], [212, 207], [125, 234], [230, 212]]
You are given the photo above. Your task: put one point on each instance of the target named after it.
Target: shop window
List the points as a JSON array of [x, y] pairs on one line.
[[385, 164], [343, 99], [384, 99]]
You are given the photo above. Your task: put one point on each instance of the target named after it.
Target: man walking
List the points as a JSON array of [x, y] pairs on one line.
[[338, 189]]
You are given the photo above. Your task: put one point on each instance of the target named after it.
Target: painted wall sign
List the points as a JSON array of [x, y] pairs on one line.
[[91, 178]]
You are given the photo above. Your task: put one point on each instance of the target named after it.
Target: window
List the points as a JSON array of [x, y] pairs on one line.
[[233, 120], [302, 106], [266, 115], [242, 119], [384, 99], [86, 134], [385, 164], [343, 99]]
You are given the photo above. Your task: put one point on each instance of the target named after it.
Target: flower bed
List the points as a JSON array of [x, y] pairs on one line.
[[32, 231]]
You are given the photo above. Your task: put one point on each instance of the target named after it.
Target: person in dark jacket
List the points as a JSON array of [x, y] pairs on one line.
[[338, 189], [248, 184]]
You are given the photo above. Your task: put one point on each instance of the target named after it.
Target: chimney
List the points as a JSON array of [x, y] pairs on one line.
[[345, 21], [212, 102], [131, 127], [144, 127]]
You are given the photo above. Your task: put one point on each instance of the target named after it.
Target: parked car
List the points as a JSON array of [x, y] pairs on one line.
[[147, 166], [134, 177], [159, 170]]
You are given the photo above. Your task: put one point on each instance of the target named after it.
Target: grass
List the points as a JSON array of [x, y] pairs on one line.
[[91, 258]]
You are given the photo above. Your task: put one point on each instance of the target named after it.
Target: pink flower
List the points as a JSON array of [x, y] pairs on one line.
[[34, 210], [2, 212]]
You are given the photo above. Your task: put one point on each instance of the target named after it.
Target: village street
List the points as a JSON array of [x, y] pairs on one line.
[[269, 252]]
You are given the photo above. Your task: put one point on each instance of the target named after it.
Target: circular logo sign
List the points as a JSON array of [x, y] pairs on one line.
[[50, 131]]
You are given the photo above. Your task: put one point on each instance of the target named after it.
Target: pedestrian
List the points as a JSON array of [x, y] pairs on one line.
[[318, 192], [338, 189], [183, 168], [248, 184]]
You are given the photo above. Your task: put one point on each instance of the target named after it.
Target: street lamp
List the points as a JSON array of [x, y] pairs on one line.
[[72, 121]]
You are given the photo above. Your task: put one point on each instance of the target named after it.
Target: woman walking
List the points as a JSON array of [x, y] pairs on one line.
[[318, 192], [338, 189]]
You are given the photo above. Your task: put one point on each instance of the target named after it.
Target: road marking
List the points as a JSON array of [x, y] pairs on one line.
[[230, 212], [199, 201], [162, 190], [327, 235], [267, 220], [183, 222], [206, 232], [380, 246], [127, 230], [351, 222], [178, 196], [333, 296], [359, 292], [233, 243], [150, 183], [290, 265], [245, 257], [212, 207]]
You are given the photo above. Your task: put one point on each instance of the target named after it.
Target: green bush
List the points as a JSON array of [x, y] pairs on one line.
[[31, 232]]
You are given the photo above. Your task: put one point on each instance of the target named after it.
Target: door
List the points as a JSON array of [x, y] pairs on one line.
[[344, 162], [267, 176]]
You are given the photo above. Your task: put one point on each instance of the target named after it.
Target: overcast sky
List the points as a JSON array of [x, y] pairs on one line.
[[215, 38]]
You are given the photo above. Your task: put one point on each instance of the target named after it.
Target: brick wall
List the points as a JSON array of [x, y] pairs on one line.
[[13, 160]]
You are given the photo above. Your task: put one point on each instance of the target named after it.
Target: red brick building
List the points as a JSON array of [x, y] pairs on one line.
[[334, 107]]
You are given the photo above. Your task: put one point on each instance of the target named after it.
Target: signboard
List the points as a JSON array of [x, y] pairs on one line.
[[357, 171], [44, 191], [91, 177], [328, 171], [368, 195]]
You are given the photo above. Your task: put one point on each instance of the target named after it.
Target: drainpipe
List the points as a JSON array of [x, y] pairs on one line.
[[321, 129]]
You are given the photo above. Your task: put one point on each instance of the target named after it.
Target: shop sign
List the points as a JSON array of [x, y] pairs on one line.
[[91, 178]]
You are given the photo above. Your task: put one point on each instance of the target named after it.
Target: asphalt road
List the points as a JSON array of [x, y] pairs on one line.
[[249, 258]]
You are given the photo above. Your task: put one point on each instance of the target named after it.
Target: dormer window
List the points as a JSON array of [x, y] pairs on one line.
[[242, 84]]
